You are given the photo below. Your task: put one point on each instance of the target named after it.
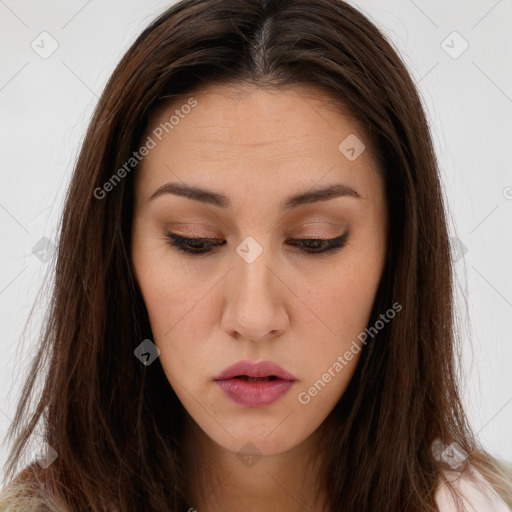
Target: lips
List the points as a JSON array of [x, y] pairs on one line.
[[258, 369], [255, 384]]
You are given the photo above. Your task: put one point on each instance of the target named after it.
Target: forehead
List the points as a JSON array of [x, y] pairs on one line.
[[247, 115], [235, 130]]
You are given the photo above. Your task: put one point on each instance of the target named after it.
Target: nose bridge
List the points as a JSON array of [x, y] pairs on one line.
[[252, 299], [252, 276]]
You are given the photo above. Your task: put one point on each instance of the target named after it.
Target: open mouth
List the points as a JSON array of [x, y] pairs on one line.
[[255, 379]]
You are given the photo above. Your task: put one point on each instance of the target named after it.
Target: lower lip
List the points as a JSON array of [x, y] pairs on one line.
[[254, 394]]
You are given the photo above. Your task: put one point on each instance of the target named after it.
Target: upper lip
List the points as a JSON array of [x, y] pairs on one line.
[[255, 369]]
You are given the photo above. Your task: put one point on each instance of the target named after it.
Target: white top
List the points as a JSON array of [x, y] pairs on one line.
[[475, 492]]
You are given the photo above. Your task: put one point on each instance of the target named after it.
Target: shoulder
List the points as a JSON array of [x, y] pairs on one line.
[[24, 492], [473, 493]]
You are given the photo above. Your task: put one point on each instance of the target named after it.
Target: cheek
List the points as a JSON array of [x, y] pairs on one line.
[[175, 318], [167, 293], [178, 309], [329, 360], [342, 300]]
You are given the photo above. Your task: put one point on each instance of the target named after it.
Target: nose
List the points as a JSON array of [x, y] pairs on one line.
[[255, 300]]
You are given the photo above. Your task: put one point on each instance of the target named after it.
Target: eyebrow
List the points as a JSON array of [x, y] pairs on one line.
[[222, 201]]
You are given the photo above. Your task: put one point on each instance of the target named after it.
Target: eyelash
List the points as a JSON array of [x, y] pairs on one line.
[[183, 244]]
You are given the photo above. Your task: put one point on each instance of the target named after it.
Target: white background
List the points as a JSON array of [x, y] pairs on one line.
[[45, 105]]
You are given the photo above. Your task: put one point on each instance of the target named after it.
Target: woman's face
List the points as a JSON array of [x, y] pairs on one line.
[[260, 160]]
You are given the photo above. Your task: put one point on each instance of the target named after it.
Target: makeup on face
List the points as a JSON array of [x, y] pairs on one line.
[[255, 383]]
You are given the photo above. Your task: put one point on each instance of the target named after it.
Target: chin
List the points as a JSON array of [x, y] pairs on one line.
[[258, 436]]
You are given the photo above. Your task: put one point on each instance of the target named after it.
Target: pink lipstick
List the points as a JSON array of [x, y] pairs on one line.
[[255, 384]]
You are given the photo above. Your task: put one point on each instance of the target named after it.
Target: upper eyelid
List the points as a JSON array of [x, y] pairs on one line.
[[177, 236], [198, 235], [320, 225], [215, 239]]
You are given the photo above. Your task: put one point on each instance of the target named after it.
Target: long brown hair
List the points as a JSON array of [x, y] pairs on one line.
[[116, 424]]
